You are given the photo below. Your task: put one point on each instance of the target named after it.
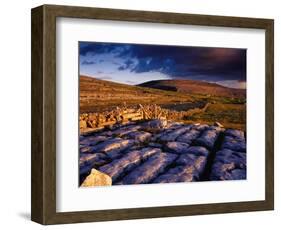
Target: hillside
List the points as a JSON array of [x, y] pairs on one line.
[[98, 95], [195, 87]]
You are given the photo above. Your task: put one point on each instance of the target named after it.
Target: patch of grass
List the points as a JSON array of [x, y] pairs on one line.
[[229, 115]]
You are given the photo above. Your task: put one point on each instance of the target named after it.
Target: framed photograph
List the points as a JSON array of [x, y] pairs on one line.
[[141, 114]]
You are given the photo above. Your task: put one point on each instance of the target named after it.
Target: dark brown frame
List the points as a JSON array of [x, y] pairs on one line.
[[43, 205]]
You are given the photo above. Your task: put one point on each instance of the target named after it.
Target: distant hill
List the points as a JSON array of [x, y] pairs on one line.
[[98, 95], [195, 87]]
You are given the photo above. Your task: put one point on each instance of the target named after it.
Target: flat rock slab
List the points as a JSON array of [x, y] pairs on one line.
[[198, 162], [177, 147], [229, 165], [113, 144], [89, 161], [171, 136], [201, 127], [186, 173], [93, 140], [150, 169], [235, 133], [155, 145], [227, 156], [198, 151], [208, 138], [125, 130], [234, 143], [140, 136], [119, 167], [189, 136]]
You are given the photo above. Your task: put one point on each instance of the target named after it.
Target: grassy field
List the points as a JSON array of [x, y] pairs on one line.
[[99, 96], [230, 115]]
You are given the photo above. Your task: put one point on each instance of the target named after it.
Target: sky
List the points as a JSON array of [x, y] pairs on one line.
[[137, 63]]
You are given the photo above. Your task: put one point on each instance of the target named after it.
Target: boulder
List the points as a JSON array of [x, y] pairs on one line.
[[96, 178]]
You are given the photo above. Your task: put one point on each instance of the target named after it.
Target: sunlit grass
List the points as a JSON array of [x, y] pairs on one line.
[[229, 115]]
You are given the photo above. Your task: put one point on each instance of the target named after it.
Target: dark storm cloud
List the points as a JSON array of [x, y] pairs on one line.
[[101, 48], [96, 48], [212, 64], [85, 62]]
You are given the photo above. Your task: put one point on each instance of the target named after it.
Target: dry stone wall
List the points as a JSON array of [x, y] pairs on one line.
[[96, 121]]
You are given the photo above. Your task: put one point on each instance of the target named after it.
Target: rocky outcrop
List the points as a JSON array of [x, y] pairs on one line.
[[160, 151]]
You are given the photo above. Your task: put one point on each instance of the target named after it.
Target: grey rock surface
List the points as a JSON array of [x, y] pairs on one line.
[[171, 136], [229, 165], [150, 169], [177, 147], [160, 151], [132, 159], [208, 138], [189, 137]]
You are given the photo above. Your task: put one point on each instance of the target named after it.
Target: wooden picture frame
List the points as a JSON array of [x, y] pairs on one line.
[[43, 208]]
